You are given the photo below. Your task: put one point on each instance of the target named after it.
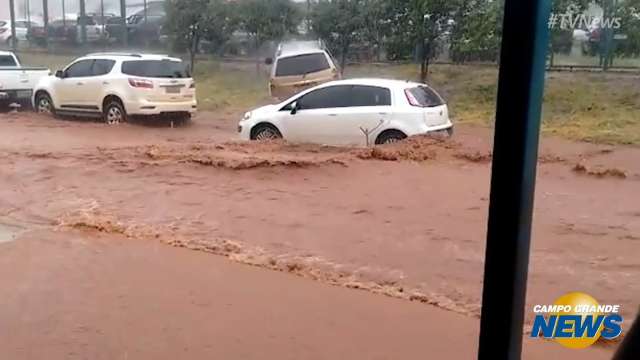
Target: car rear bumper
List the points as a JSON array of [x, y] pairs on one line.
[[425, 129], [16, 95], [157, 108]]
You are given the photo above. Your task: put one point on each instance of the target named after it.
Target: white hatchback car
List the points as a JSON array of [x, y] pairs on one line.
[[114, 86], [351, 112]]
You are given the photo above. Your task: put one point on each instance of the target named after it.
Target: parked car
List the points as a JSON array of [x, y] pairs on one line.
[[37, 35], [300, 65], [22, 28], [114, 86], [351, 112], [69, 29], [17, 82]]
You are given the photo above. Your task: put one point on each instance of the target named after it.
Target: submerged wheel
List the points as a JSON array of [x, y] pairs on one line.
[[390, 137], [44, 104], [265, 132], [114, 113]]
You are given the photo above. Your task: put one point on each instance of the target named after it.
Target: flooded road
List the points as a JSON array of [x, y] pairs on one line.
[[407, 220]]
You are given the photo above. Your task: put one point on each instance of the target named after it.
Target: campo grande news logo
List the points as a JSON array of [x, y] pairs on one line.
[[576, 320]]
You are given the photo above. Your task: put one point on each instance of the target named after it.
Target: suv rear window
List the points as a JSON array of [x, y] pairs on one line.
[[426, 96], [301, 64], [7, 60], [156, 69]]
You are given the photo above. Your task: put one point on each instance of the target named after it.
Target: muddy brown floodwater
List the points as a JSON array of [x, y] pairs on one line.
[[407, 220]]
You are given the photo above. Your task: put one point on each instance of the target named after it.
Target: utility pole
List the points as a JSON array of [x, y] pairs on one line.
[[64, 16], [83, 23], [123, 15], [45, 19], [103, 26], [45, 13], [12, 10], [145, 33]]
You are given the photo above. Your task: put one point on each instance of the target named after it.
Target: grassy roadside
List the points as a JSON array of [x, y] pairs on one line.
[[594, 107]]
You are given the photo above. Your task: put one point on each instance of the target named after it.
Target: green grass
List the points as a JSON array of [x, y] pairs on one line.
[[52, 61], [594, 107], [220, 86]]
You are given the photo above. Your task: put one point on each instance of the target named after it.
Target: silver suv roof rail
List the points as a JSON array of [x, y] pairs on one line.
[[113, 54]]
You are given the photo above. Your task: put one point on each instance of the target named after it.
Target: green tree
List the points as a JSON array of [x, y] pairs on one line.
[[630, 26], [220, 23], [267, 20], [424, 23], [338, 23], [477, 31], [186, 23], [376, 24]]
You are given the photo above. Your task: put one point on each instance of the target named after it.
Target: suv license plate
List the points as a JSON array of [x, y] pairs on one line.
[[173, 89]]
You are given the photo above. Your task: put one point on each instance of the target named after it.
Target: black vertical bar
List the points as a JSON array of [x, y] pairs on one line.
[[12, 11], [629, 349], [123, 15], [520, 87]]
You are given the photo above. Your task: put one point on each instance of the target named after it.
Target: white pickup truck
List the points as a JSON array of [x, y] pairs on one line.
[[17, 82]]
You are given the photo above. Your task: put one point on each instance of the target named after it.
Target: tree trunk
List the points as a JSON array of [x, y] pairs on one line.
[[424, 62], [193, 49], [257, 54], [343, 56]]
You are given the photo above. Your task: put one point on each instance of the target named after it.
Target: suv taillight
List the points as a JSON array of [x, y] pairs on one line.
[[141, 83], [411, 99]]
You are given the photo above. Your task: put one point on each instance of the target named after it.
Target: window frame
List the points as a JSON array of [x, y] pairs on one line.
[[324, 88], [90, 74], [12, 58], [322, 54], [113, 64], [384, 88]]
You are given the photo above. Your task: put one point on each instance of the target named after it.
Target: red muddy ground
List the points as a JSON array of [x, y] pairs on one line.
[[407, 220]]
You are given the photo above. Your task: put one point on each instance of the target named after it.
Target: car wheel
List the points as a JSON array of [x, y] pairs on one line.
[[390, 137], [450, 131], [44, 105], [265, 132], [114, 113]]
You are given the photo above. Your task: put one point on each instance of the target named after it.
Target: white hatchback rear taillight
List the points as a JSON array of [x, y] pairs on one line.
[[141, 83]]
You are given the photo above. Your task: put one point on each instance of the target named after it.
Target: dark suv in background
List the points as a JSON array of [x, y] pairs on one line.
[[141, 29]]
